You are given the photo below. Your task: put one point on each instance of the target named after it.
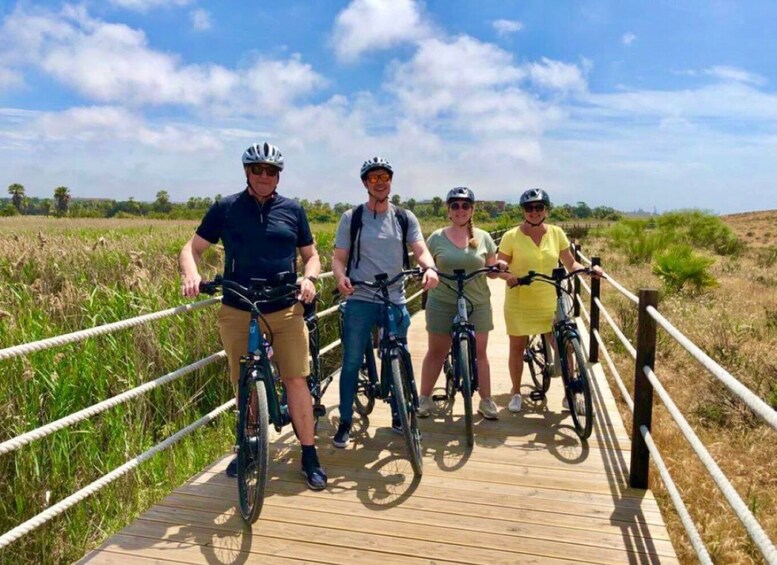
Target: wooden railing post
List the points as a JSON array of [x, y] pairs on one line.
[[576, 283], [593, 345], [643, 390]]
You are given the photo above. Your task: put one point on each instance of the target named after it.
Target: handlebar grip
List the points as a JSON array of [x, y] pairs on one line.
[[209, 287]]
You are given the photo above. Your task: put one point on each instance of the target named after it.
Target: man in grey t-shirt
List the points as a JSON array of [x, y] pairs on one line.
[[379, 250]]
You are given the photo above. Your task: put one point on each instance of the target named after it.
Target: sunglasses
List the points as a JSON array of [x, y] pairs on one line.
[[534, 208], [269, 170], [375, 179], [462, 205]]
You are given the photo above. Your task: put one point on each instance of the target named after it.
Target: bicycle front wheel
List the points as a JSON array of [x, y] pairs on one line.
[[464, 368], [577, 386], [252, 448], [406, 411]]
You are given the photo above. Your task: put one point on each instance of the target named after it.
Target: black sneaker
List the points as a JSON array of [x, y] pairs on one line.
[[232, 468], [396, 425], [315, 476], [343, 435]]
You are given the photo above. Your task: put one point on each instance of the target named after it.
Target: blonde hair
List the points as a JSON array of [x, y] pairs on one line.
[[473, 242]]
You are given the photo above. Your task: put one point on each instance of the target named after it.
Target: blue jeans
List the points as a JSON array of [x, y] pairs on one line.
[[359, 319]]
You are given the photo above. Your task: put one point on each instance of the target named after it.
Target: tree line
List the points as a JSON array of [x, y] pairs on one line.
[[62, 204]]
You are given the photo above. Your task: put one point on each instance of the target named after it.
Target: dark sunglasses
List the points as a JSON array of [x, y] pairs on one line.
[[462, 205], [269, 170], [375, 179], [534, 208]]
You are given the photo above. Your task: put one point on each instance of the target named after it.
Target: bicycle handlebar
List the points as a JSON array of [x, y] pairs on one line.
[[382, 280], [558, 276], [459, 274], [261, 291]]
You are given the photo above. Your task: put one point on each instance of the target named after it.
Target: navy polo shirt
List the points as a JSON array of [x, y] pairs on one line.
[[260, 240]]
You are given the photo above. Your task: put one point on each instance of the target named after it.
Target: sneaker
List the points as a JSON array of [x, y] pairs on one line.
[[315, 476], [487, 409], [232, 468], [396, 425], [343, 435], [515, 403], [424, 406]]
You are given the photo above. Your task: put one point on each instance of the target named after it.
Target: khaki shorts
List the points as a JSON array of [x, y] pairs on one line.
[[439, 317], [290, 339]]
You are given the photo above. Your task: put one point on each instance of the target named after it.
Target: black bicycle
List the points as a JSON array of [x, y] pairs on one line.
[[460, 367], [574, 373], [396, 374], [261, 396]]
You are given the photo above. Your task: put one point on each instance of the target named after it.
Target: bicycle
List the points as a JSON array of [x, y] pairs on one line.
[[461, 371], [396, 370], [574, 373], [261, 396]]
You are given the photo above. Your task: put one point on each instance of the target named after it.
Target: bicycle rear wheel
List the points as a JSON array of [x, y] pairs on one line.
[[536, 355], [577, 386], [406, 411], [464, 367], [253, 447]]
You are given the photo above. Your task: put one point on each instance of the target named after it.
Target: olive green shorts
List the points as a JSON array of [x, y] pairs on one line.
[[439, 317]]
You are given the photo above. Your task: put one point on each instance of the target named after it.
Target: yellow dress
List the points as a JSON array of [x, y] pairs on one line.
[[529, 309]]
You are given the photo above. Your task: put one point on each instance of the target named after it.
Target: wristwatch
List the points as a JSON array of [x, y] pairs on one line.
[[312, 279]]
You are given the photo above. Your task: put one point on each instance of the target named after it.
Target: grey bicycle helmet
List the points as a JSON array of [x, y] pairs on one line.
[[376, 163], [460, 193], [535, 195], [263, 153]]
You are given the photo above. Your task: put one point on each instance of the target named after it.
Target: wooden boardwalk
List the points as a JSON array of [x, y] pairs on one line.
[[528, 492]]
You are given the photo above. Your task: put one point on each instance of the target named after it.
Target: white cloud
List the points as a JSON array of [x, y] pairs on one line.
[[10, 79], [367, 25], [628, 38], [201, 20], [734, 74], [146, 5], [506, 27], [557, 75], [113, 63]]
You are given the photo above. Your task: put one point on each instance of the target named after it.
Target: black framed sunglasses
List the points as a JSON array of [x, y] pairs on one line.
[[534, 208], [269, 170], [463, 205]]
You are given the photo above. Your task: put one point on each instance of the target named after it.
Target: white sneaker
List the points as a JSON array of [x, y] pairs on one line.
[[487, 409], [424, 406], [515, 403]]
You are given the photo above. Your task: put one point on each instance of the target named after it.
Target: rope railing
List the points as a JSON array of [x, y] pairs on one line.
[[752, 401], [57, 509], [616, 330], [43, 431], [81, 335], [620, 288], [757, 534], [614, 371]]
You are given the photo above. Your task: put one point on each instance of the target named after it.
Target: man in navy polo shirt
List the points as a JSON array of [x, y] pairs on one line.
[[261, 232]]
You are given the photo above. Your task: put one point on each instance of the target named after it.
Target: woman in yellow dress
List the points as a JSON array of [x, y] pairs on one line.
[[532, 246]]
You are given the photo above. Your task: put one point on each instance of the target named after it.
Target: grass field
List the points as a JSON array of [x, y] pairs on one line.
[[58, 276]]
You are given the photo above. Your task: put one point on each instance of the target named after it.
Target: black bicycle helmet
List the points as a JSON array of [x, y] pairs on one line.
[[535, 195], [460, 193]]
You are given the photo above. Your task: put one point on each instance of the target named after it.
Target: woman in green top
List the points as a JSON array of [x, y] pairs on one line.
[[459, 246]]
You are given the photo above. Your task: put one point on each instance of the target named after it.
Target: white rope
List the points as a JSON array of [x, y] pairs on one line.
[[614, 371], [43, 431], [624, 340], [585, 259], [328, 311], [620, 288], [583, 311], [584, 284], [17, 350], [729, 492], [40, 519], [329, 347], [682, 511], [745, 394], [416, 295]]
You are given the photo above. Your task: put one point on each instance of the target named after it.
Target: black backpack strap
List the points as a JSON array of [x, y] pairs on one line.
[[356, 229], [401, 215]]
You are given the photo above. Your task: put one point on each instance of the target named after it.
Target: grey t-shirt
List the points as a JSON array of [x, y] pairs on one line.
[[380, 248]]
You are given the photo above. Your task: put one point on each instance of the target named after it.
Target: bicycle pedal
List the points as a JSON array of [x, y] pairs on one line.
[[439, 397], [319, 410], [537, 395]]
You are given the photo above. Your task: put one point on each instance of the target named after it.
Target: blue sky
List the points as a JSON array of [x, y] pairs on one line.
[[627, 104]]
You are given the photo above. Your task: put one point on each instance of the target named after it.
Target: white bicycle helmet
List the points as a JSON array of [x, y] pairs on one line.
[[460, 193], [263, 153], [375, 163]]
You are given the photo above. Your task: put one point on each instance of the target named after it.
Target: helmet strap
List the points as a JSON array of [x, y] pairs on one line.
[[542, 221], [252, 190]]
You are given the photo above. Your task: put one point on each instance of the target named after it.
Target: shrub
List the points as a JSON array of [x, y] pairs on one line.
[[637, 240], [701, 230], [679, 266]]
